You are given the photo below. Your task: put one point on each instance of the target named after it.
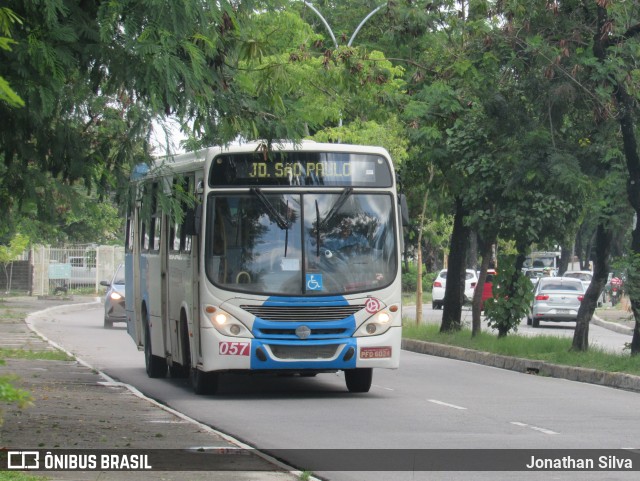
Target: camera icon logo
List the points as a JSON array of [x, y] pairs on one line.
[[23, 460]]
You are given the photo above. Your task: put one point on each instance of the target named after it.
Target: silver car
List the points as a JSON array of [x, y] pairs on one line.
[[556, 299], [114, 299]]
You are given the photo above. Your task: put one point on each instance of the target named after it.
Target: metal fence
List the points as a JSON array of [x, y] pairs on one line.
[[73, 269]]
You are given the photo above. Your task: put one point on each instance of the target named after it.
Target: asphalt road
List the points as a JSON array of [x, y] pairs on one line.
[[428, 403]]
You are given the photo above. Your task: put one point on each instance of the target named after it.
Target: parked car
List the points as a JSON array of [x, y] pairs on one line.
[[114, 299], [487, 289], [556, 299], [585, 277], [440, 284]]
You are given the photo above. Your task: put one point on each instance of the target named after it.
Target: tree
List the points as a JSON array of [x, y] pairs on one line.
[[614, 39], [95, 76], [584, 52], [8, 253]]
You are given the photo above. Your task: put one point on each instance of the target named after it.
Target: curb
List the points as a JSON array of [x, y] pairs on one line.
[[627, 382], [612, 326]]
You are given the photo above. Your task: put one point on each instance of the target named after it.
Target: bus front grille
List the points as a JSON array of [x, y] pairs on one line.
[[292, 332], [304, 352], [302, 313]]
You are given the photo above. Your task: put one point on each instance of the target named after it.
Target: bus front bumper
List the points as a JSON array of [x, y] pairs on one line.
[[381, 351]]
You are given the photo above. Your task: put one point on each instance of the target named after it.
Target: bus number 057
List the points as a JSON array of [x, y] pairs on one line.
[[234, 349]]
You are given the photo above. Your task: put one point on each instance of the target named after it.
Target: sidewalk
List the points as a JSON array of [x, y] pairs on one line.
[[75, 407]]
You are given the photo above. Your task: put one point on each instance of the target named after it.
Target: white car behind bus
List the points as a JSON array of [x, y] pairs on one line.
[[440, 284]]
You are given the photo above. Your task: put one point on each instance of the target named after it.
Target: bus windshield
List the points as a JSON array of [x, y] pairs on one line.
[[300, 244]]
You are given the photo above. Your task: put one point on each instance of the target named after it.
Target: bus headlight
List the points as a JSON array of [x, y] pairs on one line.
[[377, 324], [225, 323]]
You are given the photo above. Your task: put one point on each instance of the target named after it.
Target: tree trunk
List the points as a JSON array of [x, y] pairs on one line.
[[406, 256], [625, 106], [486, 249], [565, 257], [419, 279], [456, 272], [604, 237], [472, 251], [584, 262]]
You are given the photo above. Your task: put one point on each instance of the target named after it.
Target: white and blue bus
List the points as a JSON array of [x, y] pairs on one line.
[[288, 263]]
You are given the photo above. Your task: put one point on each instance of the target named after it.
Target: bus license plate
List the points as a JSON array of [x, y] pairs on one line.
[[234, 349], [375, 352]]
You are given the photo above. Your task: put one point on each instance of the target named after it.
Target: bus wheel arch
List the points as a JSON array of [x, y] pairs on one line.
[[156, 366]]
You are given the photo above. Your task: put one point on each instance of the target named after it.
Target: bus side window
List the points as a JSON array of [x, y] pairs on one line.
[[185, 240], [156, 218], [145, 218]]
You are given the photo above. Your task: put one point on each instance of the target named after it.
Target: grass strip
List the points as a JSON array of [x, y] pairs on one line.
[[44, 355], [552, 349]]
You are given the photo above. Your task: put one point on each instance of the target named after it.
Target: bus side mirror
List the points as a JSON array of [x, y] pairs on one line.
[[192, 218], [404, 209]]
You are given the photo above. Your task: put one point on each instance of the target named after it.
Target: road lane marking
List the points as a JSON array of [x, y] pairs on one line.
[[441, 403], [535, 428], [382, 387], [166, 421]]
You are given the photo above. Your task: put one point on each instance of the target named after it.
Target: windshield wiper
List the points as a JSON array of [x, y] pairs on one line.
[[317, 229], [273, 213], [338, 204]]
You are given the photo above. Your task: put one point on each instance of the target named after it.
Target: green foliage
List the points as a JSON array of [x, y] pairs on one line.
[[437, 231], [388, 135], [410, 279], [9, 394], [42, 355], [513, 294], [7, 19], [18, 476], [305, 476], [97, 76], [16, 246]]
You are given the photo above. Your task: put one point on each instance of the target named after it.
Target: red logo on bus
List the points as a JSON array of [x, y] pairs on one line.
[[373, 305]]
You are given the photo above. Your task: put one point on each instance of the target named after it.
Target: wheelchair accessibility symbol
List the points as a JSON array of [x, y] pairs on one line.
[[314, 282]]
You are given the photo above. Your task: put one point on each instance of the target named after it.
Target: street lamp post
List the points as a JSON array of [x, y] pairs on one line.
[[328, 27]]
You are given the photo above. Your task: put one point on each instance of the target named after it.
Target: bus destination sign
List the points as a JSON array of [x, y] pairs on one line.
[[307, 169]]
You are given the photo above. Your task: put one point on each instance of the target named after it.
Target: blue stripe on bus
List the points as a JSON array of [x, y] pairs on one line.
[[274, 364], [296, 301], [348, 324]]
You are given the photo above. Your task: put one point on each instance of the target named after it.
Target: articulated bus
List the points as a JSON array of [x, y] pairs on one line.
[[285, 261]]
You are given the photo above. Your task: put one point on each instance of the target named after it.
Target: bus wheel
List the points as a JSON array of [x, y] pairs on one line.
[[204, 382], [358, 380], [156, 366]]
